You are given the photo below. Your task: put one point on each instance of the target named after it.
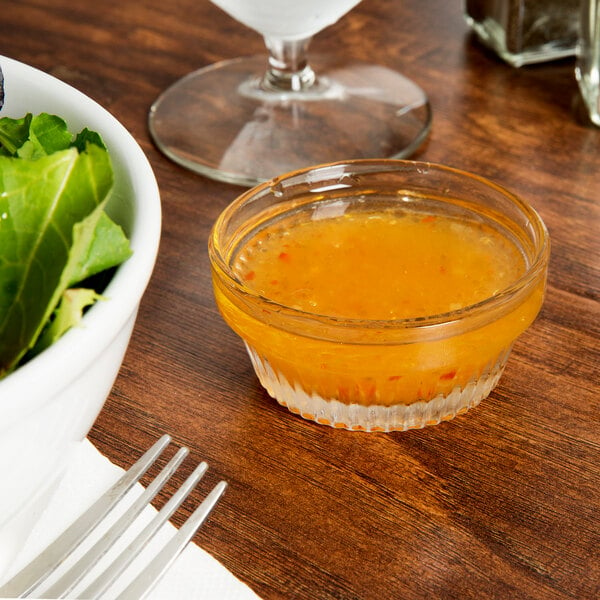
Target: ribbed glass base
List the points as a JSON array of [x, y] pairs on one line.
[[359, 417]]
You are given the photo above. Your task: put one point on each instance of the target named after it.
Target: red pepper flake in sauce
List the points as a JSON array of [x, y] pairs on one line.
[[394, 377], [449, 375], [250, 275], [284, 256], [428, 219]]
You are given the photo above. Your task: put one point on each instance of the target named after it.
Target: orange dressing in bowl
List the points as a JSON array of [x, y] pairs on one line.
[[378, 265], [373, 275]]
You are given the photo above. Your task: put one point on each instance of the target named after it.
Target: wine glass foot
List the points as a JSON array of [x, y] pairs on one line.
[[222, 121]]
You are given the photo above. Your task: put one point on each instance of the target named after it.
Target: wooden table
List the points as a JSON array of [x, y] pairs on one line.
[[502, 502]]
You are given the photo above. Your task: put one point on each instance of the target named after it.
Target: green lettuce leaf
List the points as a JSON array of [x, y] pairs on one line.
[[47, 134], [85, 137], [13, 134], [107, 247], [68, 314], [34, 136], [41, 202], [54, 232]]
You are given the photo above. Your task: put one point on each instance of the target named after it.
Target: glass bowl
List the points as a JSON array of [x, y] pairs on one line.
[[413, 323]]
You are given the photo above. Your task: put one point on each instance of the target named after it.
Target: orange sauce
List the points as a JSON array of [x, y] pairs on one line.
[[377, 265]]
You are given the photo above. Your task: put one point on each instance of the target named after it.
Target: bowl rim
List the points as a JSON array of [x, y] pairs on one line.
[[130, 279], [477, 312]]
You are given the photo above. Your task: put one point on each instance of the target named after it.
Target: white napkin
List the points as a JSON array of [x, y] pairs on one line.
[[195, 574]]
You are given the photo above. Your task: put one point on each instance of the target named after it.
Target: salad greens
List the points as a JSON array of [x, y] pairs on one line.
[[54, 231]]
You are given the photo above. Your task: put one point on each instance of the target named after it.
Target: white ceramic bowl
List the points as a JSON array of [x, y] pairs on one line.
[[48, 405]]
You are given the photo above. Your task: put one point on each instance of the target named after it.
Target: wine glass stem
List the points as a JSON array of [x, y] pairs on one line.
[[288, 68]]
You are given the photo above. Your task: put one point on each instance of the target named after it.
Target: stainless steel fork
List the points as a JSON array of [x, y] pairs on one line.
[[30, 580]]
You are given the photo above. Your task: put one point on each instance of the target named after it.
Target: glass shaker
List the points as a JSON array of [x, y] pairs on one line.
[[526, 31], [587, 69]]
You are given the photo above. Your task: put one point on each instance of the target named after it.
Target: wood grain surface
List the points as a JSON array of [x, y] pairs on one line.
[[502, 502]]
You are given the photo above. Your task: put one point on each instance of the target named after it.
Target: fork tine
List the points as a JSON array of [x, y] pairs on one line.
[[149, 577], [75, 573], [38, 569], [103, 581]]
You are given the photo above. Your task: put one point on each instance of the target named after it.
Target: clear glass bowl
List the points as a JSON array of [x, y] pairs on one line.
[[379, 375]]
